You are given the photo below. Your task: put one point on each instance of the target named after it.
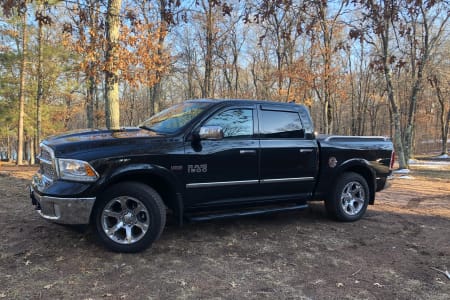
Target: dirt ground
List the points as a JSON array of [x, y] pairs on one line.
[[389, 254]]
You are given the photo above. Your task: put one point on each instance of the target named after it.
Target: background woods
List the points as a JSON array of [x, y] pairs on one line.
[[363, 67]]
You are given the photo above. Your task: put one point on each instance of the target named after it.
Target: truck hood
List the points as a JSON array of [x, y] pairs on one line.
[[91, 140]]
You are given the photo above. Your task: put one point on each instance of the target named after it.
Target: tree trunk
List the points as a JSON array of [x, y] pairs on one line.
[[40, 89], [207, 85], [443, 118], [20, 140], [156, 89], [392, 100], [112, 107], [445, 130], [8, 145], [409, 131], [91, 90], [91, 72], [32, 151]]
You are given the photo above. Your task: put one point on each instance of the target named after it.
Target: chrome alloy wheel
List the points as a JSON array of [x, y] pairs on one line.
[[125, 220], [352, 198]]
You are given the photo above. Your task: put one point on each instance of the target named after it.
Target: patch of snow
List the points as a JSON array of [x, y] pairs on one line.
[[402, 171], [429, 163], [443, 156], [406, 177]]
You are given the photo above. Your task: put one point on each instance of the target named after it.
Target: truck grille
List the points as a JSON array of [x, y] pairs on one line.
[[46, 159], [45, 154], [48, 171]]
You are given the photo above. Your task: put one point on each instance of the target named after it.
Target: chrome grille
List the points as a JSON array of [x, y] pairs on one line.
[[48, 171], [46, 159], [45, 154]]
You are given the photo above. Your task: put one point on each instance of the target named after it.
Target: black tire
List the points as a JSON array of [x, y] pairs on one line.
[[129, 217], [349, 198]]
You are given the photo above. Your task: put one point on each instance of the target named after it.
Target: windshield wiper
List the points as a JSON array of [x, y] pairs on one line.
[[147, 128]]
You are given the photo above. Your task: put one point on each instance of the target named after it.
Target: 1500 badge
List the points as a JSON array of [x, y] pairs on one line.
[[197, 168]]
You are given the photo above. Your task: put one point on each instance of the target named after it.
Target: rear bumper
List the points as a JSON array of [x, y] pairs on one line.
[[63, 210]]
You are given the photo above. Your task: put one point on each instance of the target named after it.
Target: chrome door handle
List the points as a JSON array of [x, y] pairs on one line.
[[306, 150], [247, 151]]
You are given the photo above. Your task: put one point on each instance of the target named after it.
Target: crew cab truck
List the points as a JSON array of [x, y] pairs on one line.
[[200, 160]]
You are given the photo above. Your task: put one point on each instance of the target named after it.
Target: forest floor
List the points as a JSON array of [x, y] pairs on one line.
[[391, 253]]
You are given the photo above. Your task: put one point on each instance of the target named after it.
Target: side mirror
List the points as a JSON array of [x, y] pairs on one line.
[[210, 133], [310, 136], [301, 133]]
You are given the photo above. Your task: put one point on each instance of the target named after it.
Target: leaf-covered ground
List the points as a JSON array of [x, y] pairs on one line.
[[389, 254]]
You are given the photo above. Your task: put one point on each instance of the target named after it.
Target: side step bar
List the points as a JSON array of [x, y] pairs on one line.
[[207, 217]]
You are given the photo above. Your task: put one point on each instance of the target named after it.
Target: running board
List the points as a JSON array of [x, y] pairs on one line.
[[207, 217]]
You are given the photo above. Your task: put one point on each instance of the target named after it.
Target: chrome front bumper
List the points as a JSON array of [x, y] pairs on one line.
[[63, 210]]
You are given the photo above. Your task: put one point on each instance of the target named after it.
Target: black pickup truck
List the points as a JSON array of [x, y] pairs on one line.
[[200, 160]]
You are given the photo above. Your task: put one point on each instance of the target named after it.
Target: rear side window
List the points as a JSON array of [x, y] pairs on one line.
[[280, 124]]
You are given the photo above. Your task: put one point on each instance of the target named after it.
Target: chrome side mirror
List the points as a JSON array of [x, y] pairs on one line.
[[210, 133]]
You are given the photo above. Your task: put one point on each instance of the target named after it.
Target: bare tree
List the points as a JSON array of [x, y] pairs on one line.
[[112, 108], [424, 24], [20, 139], [380, 17], [444, 114]]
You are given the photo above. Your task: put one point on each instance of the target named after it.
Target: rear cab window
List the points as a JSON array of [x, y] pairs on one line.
[[276, 124]]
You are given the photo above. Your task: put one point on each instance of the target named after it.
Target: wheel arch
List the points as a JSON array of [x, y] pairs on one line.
[[361, 167], [159, 178]]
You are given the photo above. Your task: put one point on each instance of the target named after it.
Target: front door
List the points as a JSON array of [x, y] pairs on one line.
[[222, 172]]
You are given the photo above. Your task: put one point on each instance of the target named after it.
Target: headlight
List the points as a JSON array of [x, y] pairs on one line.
[[76, 170]]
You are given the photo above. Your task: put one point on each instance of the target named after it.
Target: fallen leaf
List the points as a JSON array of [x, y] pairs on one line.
[[27, 263], [60, 258], [378, 285], [2, 295], [49, 286], [339, 284], [233, 284]]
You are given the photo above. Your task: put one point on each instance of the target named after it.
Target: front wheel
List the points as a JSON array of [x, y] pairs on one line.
[[349, 199], [129, 217]]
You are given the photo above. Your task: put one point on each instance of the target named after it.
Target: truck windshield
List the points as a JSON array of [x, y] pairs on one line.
[[175, 117]]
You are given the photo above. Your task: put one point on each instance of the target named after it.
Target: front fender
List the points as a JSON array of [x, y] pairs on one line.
[[142, 171]]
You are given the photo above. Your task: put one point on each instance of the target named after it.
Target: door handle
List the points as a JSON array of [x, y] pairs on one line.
[[247, 151], [306, 150]]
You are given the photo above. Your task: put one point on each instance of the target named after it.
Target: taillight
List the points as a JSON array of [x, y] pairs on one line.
[[391, 166]]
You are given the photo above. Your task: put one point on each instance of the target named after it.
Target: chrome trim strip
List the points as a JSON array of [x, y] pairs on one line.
[[331, 137], [245, 182], [42, 160], [220, 183], [296, 179]]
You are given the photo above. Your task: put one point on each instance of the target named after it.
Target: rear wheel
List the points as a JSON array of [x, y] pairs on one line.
[[129, 217], [349, 199]]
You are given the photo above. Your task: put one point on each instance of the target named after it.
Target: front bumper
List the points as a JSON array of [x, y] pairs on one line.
[[63, 210]]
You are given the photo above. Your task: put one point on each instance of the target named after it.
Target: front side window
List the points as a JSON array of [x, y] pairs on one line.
[[280, 124], [234, 122]]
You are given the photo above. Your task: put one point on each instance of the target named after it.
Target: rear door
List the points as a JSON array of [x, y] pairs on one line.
[[289, 161]]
